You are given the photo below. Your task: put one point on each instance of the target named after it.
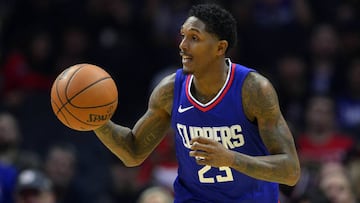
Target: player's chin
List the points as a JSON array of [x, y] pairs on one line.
[[187, 70]]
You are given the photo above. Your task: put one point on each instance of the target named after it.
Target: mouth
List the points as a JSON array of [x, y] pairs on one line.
[[186, 58]]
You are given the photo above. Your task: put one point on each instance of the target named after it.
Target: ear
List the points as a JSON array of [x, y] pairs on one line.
[[222, 47]]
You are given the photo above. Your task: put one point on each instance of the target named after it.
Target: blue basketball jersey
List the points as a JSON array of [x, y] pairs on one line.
[[223, 120]]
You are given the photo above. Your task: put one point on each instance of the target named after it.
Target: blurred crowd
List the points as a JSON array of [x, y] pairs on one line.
[[309, 50]]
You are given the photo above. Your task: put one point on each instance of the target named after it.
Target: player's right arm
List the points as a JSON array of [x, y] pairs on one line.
[[133, 146]]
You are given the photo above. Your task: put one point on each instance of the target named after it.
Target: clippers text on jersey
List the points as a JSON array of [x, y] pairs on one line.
[[230, 136]]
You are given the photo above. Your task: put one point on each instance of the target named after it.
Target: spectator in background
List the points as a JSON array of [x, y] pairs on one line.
[[348, 102], [353, 167], [11, 152], [123, 185], [291, 81], [349, 29], [322, 141], [156, 194], [28, 69], [60, 167], [9, 138], [335, 184], [12, 157], [324, 59], [34, 187], [74, 47], [278, 26]]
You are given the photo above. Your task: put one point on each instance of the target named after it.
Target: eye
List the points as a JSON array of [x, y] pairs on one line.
[[195, 38]]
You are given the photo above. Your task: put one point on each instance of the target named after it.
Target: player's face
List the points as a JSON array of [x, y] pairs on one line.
[[198, 48]]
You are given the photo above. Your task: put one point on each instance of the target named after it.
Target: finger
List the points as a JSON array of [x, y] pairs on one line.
[[201, 161], [199, 146], [199, 154], [198, 158], [203, 140]]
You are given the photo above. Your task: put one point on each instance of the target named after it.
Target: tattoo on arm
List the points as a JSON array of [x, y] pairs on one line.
[[119, 136], [134, 145], [261, 105]]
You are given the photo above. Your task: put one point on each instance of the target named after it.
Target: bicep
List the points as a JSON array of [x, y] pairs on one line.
[[262, 105], [151, 127]]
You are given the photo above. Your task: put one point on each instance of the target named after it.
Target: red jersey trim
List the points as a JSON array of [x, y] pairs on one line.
[[208, 106]]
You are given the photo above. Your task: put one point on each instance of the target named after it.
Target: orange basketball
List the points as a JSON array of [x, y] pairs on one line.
[[84, 97]]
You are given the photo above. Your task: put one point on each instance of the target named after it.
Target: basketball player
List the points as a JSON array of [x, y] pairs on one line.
[[232, 142]]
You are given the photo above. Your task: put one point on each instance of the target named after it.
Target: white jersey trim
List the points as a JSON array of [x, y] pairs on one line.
[[228, 61]]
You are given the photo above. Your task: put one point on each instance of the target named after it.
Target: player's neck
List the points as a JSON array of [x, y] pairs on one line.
[[205, 88]]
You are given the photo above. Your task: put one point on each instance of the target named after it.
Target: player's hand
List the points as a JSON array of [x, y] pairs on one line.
[[210, 152]]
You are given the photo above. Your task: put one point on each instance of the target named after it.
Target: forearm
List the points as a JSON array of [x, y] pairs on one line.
[[120, 141], [273, 168]]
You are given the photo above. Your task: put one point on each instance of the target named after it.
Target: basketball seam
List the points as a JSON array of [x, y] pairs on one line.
[[60, 100], [60, 112], [89, 107], [57, 92], [69, 100]]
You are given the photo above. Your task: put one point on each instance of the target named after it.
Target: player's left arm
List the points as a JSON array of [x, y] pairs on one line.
[[260, 105]]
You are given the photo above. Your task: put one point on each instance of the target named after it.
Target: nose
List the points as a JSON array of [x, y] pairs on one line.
[[183, 44]]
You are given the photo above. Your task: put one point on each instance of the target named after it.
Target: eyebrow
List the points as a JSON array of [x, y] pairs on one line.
[[191, 29]]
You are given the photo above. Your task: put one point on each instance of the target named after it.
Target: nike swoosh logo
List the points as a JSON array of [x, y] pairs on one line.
[[182, 110]]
